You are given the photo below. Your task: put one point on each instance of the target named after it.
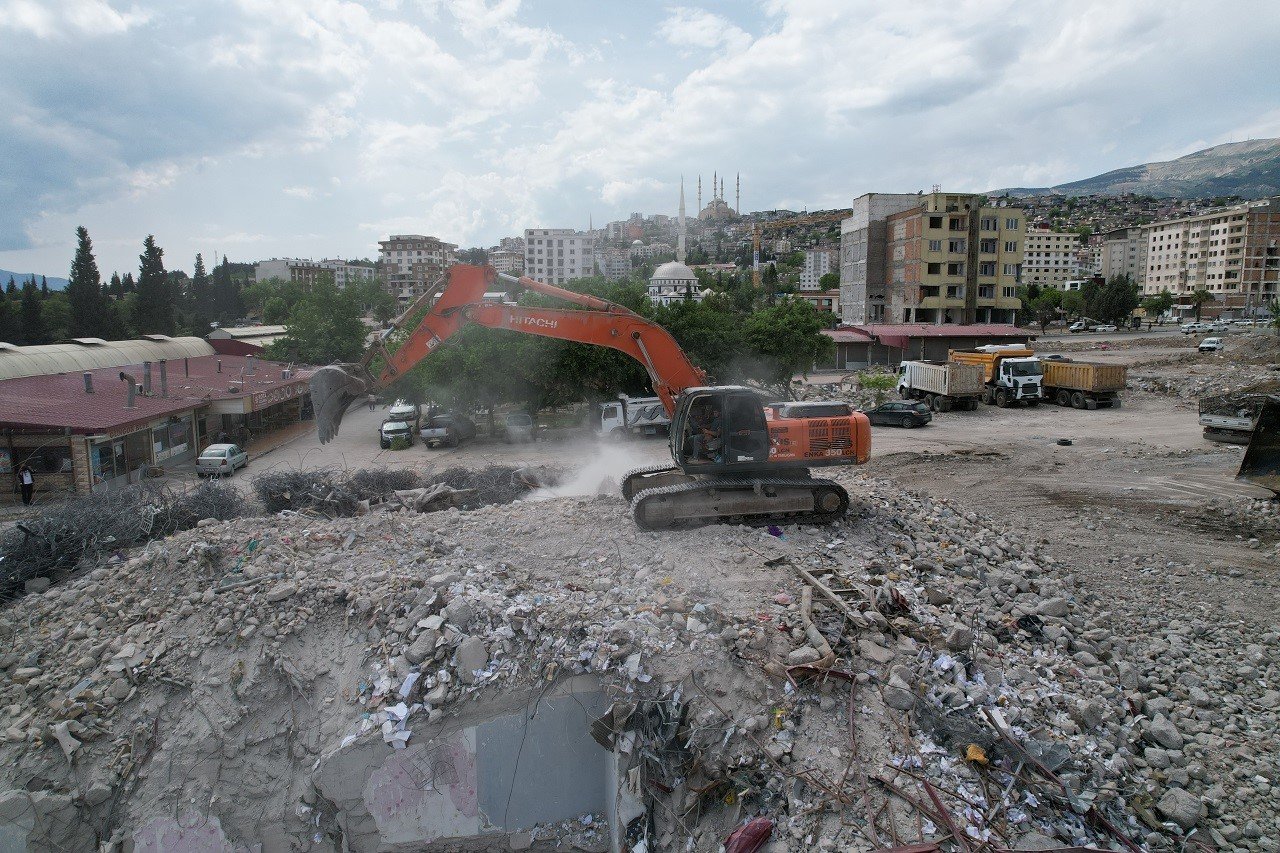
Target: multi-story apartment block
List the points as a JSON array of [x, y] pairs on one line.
[[1231, 252], [1124, 252], [1049, 257], [512, 244], [614, 264], [412, 262], [935, 258], [505, 260], [557, 255], [817, 263], [308, 272]]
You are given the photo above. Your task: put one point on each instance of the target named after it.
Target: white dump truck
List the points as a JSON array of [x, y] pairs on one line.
[[943, 385], [633, 416], [1011, 372]]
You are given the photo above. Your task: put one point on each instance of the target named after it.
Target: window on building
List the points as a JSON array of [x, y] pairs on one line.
[[957, 224], [935, 269], [987, 291], [935, 245], [987, 246], [955, 269], [989, 223], [935, 221], [955, 291], [957, 246], [1010, 292], [1012, 223], [1010, 269], [987, 268]]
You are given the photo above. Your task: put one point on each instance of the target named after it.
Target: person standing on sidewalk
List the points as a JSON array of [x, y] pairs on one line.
[[28, 482], [372, 401]]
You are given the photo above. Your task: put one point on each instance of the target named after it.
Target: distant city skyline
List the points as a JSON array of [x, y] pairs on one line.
[[315, 128]]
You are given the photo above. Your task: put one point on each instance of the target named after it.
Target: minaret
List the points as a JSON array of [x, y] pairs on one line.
[[737, 193], [699, 193], [715, 183], [680, 226]]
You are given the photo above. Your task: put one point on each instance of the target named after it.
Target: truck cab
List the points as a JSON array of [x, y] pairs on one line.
[[1022, 377], [1012, 373]]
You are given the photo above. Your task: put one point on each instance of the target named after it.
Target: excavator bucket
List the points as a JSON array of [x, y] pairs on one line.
[[333, 390], [1261, 463]]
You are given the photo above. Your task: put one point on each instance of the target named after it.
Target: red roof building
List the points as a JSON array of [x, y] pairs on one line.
[[81, 430], [860, 346]]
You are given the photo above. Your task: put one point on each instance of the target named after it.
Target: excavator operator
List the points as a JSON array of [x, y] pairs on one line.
[[706, 428]]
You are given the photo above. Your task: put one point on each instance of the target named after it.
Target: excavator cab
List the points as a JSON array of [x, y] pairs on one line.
[[719, 430]]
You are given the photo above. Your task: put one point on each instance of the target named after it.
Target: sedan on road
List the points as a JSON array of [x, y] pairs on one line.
[[1211, 345], [221, 460], [905, 414]]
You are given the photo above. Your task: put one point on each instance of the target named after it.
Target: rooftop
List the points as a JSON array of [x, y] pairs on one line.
[[59, 401], [79, 354]]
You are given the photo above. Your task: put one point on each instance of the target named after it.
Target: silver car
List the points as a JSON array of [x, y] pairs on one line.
[[518, 428], [221, 460]]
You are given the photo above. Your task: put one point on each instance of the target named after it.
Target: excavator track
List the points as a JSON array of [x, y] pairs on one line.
[[650, 477], [753, 501]]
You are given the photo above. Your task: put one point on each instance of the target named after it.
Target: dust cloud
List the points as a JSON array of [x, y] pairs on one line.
[[600, 474]]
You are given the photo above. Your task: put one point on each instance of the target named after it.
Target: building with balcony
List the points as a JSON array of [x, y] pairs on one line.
[[413, 262], [1231, 252], [1049, 257], [817, 263], [558, 255], [930, 258], [506, 260]]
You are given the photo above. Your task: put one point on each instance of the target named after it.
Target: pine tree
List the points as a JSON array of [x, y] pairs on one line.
[[116, 288], [155, 293], [12, 290], [226, 296], [201, 298], [32, 315], [84, 290], [44, 287], [127, 284], [10, 322]]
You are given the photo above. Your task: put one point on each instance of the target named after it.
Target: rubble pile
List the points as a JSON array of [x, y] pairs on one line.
[[913, 673], [1256, 522], [36, 551]]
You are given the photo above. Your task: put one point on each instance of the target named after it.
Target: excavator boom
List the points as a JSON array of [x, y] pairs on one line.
[[732, 460]]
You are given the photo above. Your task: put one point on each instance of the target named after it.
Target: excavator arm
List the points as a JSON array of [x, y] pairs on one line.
[[461, 302]]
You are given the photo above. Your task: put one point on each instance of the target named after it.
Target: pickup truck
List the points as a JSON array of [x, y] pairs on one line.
[[447, 431], [1231, 418]]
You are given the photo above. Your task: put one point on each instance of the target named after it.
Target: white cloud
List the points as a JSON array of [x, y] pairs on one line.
[[300, 192], [699, 29], [61, 19]]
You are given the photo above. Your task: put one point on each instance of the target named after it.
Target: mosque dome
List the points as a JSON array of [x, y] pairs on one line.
[[673, 272]]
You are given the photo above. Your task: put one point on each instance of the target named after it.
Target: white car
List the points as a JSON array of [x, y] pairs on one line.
[[1245, 322], [1220, 326], [1107, 327], [1211, 345], [221, 460], [1195, 328], [1078, 326]]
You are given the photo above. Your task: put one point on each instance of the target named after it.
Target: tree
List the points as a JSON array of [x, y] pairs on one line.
[[879, 383], [323, 326], [116, 288], [1158, 304], [10, 322], [33, 328], [56, 312], [226, 294], [12, 290], [1274, 308], [200, 297], [128, 285], [830, 281], [784, 340], [1199, 299], [84, 290], [155, 293], [1044, 307], [1073, 303]]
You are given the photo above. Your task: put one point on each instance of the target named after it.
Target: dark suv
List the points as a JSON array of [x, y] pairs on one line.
[[906, 414]]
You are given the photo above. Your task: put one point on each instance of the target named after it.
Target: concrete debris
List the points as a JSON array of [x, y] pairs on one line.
[[546, 676]]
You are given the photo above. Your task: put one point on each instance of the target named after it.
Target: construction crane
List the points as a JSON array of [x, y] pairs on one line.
[[758, 228], [733, 458]]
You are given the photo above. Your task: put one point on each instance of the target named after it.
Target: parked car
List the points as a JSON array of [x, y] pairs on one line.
[[517, 427], [1244, 322], [1195, 328], [905, 413], [391, 430], [448, 430], [1211, 345], [221, 460], [1078, 326], [1105, 327], [1219, 326], [1054, 357]]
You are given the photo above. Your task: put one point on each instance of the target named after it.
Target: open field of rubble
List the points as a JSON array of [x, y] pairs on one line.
[[1008, 643]]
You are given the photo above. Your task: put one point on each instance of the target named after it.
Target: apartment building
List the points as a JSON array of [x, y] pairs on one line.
[[1049, 257], [512, 244], [1231, 252], [506, 260], [557, 255], [817, 263], [1124, 252], [614, 264], [930, 258], [308, 272], [412, 262]]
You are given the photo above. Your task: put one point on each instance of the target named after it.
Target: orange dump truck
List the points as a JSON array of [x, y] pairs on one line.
[[1083, 384], [1011, 373]]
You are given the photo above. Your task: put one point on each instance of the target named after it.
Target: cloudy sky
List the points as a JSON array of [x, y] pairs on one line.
[[259, 128]]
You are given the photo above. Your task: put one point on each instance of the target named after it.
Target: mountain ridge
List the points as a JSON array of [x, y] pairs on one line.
[[1250, 169], [55, 282]]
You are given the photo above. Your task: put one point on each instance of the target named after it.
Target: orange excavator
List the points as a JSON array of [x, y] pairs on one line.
[[735, 458]]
